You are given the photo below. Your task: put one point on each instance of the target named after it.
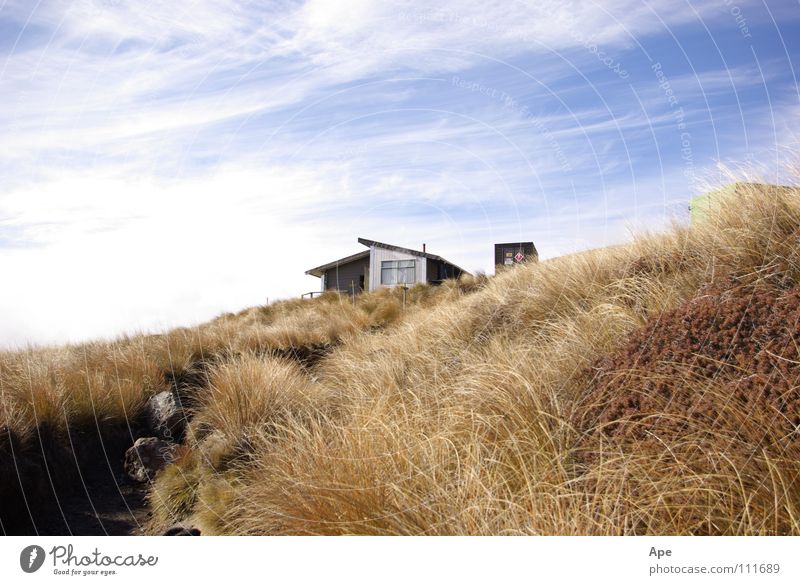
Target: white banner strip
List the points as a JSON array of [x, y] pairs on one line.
[[354, 560]]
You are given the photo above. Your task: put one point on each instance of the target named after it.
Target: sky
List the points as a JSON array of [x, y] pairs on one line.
[[165, 162]]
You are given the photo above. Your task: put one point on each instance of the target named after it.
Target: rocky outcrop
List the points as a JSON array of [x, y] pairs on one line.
[[166, 418], [147, 457]]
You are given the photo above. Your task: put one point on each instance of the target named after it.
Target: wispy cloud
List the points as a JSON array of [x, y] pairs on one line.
[[162, 163]]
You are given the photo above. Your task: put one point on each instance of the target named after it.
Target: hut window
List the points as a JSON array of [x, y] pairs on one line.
[[398, 272]]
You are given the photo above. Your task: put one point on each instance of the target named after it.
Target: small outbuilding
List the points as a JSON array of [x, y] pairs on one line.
[[512, 253], [384, 265]]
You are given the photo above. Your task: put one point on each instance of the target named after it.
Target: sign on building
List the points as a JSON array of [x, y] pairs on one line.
[[514, 253]]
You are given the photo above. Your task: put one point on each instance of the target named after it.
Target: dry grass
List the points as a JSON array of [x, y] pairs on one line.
[[452, 409], [65, 406], [459, 420], [250, 393]]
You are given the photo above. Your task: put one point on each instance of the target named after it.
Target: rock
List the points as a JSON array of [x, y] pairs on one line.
[[165, 417], [181, 530], [147, 456]]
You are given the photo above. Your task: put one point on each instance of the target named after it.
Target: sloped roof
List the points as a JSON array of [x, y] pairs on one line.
[[377, 244], [320, 270]]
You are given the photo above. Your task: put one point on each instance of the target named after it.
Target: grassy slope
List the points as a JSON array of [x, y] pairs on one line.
[[464, 412], [69, 411]]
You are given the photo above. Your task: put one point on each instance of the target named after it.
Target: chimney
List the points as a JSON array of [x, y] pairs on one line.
[[423, 247]]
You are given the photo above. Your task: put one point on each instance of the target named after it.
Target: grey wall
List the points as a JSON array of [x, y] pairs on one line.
[[438, 271], [343, 276]]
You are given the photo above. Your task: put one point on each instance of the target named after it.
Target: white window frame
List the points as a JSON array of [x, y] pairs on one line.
[[398, 272]]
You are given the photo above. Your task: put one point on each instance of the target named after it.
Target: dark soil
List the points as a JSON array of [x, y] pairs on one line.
[[307, 356], [106, 503], [50, 490]]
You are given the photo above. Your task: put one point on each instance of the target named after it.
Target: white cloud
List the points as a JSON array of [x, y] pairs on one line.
[[166, 161], [105, 255]]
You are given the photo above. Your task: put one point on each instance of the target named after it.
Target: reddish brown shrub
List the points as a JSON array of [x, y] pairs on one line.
[[728, 352]]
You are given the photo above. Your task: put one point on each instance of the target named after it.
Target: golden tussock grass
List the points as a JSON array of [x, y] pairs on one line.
[[61, 407], [461, 419], [457, 409]]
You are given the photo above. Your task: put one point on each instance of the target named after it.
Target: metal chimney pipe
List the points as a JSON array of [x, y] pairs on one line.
[[423, 247]]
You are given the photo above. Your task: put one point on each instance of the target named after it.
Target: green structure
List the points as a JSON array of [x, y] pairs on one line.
[[702, 206], [698, 206]]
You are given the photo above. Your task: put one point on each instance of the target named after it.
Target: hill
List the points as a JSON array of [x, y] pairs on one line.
[[650, 388]]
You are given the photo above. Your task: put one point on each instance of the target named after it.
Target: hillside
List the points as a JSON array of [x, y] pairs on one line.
[[650, 388]]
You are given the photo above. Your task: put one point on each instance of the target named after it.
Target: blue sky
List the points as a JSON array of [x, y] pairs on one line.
[[161, 163]]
